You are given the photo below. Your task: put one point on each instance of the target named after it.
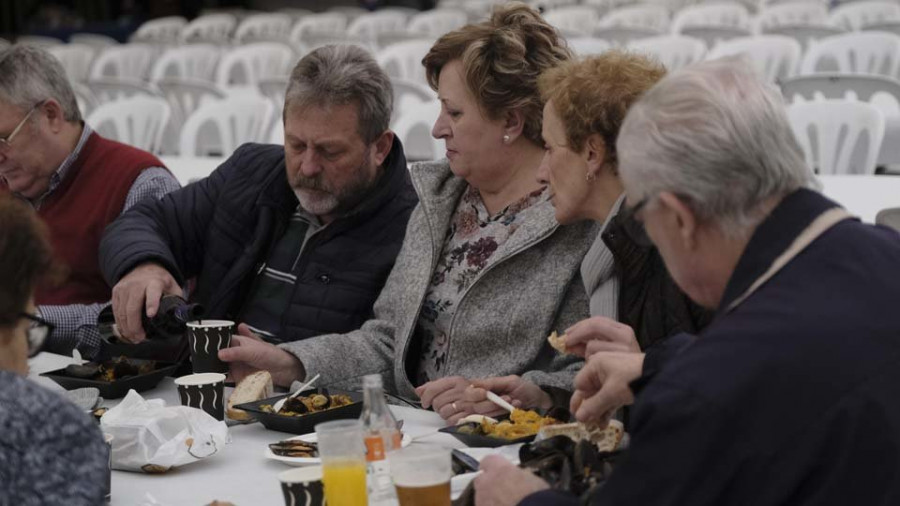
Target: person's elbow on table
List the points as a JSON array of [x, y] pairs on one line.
[[248, 355]]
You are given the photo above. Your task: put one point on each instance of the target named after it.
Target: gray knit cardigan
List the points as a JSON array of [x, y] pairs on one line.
[[502, 321]]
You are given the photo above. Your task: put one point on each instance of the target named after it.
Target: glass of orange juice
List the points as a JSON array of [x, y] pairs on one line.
[[343, 457]]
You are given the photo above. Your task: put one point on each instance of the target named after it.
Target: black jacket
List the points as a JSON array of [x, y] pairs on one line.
[[791, 398], [649, 301], [220, 230]]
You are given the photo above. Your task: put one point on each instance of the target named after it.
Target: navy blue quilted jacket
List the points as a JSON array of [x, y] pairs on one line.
[[219, 230]]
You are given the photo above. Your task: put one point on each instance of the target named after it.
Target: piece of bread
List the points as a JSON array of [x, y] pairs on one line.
[[606, 438], [254, 387], [558, 342]]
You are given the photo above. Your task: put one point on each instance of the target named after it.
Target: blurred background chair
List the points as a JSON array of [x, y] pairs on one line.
[[838, 136], [218, 127], [673, 51], [138, 121]]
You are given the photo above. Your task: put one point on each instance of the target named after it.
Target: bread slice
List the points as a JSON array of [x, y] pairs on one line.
[[606, 438], [254, 387], [558, 342]]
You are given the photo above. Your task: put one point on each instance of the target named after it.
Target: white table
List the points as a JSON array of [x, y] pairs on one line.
[[240, 473], [863, 196]]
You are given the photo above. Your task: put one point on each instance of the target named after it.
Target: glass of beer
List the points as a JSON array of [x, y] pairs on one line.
[[421, 474], [343, 457]]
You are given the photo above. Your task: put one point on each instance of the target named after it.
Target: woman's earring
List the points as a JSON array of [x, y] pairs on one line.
[[589, 177], [506, 139]]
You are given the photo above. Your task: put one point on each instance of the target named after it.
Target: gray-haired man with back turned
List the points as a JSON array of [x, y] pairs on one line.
[[294, 241]]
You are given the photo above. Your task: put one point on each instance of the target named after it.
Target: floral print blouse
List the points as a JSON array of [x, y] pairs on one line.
[[473, 238]]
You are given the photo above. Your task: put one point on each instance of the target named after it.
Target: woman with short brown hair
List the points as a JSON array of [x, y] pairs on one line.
[[50, 452]]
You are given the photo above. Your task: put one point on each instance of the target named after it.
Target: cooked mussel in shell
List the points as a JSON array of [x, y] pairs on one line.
[[295, 448]]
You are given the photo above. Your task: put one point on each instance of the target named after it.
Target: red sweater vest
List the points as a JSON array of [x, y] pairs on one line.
[[90, 197]]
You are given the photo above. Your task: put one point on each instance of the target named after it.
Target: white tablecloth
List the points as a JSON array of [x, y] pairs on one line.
[[240, 473]]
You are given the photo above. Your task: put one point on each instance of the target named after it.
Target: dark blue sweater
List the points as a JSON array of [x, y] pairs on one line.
[[792, 398]]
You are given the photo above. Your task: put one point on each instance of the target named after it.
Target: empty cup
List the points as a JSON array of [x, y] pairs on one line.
[[303, 486], [206, 338], [204, 391]]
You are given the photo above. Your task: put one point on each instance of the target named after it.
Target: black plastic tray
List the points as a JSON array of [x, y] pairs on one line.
[[306, 423], [479, 441], [120, 387]]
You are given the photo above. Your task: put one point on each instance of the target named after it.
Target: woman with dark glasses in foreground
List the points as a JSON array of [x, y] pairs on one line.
[[50, 452]]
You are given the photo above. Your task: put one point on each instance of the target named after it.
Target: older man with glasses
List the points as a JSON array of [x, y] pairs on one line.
[[790, 395], [77, 181]]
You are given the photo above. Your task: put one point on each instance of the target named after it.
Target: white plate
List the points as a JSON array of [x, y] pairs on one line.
[[312, 461]]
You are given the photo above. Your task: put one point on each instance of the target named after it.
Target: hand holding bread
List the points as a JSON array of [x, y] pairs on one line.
[[595, 335]]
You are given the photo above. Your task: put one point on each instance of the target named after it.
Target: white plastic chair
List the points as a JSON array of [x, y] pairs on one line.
[[274, 88], [84, 97], [586, 46], [409, 94], [792, 14], [264, 27], [889, 218], [856, 15], [349, 12], [673, 51], [884, 26], [413, 127], [75, 58], [160, 30], [39, 41], [247, 64], [221, 126], [371, 26], [108, 89], [129, 61], [712, 35], [137, 121], [276, 134], [879, 91], [295, 13], [403, 60], [854, 53], [192, 61], [184, 96], [804, 34], [94, 40], [575, 19], [720, 15], [838, 136], [650, 17], [214, 28], [328, 23], [622, 35], [774, 56], [436, 22]]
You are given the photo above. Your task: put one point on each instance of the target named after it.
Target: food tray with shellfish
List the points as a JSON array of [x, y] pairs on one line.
[[113, 378], [521, 426], [301, 414]]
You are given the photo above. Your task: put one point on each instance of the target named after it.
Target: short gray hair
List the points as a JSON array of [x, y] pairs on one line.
[[30, 75], [717, 135], [339, 75]]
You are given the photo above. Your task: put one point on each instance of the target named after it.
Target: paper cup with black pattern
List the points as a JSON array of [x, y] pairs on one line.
[[206, 338], [303, 486], [204, 391]]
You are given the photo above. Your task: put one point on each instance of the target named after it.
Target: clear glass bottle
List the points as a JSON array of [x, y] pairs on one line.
[[381, 436]]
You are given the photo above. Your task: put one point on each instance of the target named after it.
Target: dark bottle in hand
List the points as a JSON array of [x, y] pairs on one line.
[[171, 318], [169, 323]]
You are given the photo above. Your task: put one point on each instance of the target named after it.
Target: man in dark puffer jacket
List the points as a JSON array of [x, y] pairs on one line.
[[294, 241]]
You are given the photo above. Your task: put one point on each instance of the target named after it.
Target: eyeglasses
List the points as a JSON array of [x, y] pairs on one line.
[[6, 141], [37, 333]]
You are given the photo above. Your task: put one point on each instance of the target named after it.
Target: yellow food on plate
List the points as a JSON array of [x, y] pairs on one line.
[[521, 423]]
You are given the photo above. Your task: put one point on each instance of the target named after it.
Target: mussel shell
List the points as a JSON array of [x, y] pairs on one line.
[[123, 368], [471, 428], [85, 371], [295, 405], [320, 401], [562, 445]]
